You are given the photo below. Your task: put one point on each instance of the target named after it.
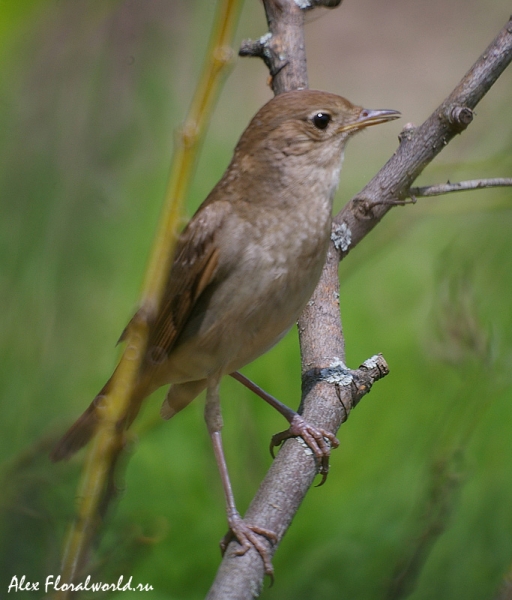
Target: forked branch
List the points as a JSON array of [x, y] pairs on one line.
[[324, 402]]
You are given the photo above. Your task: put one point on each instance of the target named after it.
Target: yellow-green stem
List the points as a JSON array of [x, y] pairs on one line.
[[108, 439]]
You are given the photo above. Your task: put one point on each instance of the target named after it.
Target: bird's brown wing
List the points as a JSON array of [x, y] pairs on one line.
[[194, 268]]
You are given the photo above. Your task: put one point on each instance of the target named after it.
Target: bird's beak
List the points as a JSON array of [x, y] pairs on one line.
[[368, 117]]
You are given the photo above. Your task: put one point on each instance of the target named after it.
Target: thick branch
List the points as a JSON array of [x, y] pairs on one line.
[[326, 403], [291, 474], [283, 48]]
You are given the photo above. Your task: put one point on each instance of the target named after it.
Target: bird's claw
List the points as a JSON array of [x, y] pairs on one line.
[[318, 440], [249, 536]]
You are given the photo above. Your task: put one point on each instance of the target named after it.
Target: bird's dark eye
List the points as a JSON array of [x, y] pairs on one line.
[[321, 120]]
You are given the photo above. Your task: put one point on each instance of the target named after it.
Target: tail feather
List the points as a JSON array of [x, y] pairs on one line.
[[77, 435], [179, 396], [82, 430]]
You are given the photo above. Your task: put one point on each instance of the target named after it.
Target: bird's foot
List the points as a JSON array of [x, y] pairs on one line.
[[249, 536], [318, 440]]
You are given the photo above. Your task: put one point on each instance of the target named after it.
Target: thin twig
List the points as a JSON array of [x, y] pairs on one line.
[[461, 186]]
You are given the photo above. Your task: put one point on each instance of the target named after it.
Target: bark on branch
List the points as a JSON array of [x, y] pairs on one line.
[[326, 401]]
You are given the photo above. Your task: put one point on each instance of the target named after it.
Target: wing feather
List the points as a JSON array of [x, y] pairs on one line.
[[194, 269]]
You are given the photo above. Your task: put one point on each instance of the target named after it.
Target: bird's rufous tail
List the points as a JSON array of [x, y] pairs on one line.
[[84, 428], [77, 435]]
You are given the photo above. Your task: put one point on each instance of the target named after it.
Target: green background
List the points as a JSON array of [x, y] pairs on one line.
[[90, 94]]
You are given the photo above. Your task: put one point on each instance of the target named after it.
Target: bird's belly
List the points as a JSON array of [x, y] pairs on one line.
[[255, 300], [235, 329]]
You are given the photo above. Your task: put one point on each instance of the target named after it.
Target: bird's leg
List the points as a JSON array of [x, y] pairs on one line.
[[314, 437], [247, 535]]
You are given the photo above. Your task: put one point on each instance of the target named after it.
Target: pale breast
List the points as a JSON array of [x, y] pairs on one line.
[[270, 273]]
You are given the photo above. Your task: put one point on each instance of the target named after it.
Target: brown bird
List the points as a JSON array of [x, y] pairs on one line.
[[244, 268]]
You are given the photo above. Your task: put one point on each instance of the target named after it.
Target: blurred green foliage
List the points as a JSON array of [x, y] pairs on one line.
[[418, 501]]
